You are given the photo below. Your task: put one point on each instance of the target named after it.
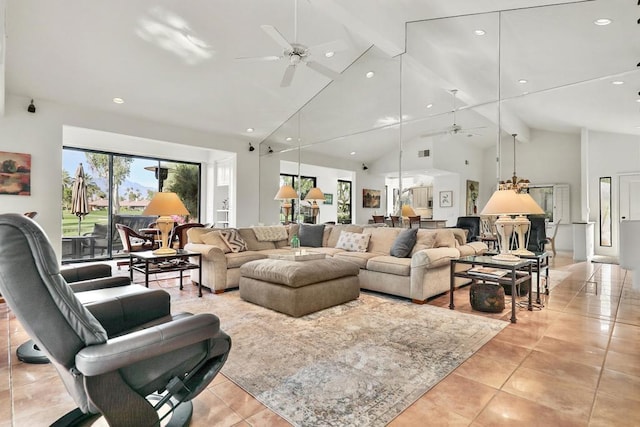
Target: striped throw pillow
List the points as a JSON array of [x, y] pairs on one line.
[[233, 239]]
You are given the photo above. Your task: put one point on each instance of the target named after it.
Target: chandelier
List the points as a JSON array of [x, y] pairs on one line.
[[519, 185]]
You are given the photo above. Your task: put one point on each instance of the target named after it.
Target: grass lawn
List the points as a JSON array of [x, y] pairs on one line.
[[70, 221]]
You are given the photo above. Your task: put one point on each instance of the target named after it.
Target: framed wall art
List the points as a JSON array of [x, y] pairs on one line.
[[472, 197], [328, 199], [370, 198], [446, 199], [15, 173]]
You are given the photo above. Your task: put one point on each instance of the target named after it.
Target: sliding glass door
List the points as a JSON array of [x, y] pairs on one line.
[[117, 188]]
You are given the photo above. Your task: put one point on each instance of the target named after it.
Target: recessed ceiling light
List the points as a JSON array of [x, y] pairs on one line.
[[523, 81], [638, 100], [118, 100], [479, 32], [329, 54], [370, 74], [250, 130], [353, 153], [617, 82], [429, 105], [288, 138], [602, 21]]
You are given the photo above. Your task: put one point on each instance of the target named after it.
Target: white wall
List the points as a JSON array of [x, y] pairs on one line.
[[40, 135], [609, 155]]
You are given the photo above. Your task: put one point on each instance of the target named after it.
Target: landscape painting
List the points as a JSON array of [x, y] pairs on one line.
[[370, 198], [15, 173]]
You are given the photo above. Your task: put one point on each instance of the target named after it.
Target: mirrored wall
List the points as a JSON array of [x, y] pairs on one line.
[[444, 112]]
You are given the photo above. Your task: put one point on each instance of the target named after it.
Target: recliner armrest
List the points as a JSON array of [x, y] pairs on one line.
[[85, 272], [105, 282], [137, 346]]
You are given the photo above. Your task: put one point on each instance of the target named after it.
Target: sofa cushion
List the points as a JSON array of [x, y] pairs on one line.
[[403, 244], [390, 264], [311, 235], [353, 242], [382, 239], [213, 238], [233, 239], [195, 234], [445, 238], [339, 228], [253, 244], [425, 239]]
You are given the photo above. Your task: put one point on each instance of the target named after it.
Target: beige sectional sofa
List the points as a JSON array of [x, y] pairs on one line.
[[421, 275]]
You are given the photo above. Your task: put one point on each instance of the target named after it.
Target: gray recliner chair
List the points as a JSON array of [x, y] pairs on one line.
[[116, 356], [84, 278]]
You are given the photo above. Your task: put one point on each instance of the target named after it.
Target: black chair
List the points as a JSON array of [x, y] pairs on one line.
[[537, 235], [396, 221], [112, 359], [471, 224]]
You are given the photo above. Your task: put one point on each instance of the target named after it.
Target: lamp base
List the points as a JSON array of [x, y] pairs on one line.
[[506, 257], [165, 251]]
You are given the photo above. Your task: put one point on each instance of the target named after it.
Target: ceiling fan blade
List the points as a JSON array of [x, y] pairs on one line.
[[434, 133], [288, 76], [258, 58], [327, 72], [276, 36], [333, 46]]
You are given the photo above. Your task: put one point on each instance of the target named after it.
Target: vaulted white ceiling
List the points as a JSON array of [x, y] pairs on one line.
[[175, 62]]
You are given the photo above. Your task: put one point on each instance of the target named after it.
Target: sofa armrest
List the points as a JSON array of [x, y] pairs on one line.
[[137, 346], [479, 247], [209, 252], [433, 257]]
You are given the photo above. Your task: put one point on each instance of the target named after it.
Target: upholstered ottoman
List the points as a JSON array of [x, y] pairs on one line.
[[297, 288]]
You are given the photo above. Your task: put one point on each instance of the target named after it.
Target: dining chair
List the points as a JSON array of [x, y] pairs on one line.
[[396, 221], [378, 219], [414, 221], [552, 239]]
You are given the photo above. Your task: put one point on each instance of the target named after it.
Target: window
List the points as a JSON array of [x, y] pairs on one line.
[[304, 209], [344, 202], [118, 188], [554, 201]]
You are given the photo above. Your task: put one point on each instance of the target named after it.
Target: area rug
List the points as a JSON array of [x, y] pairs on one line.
[[357, 364]]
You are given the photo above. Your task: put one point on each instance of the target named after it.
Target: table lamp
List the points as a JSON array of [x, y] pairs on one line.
[[505, 203], [286, 193], [313, 196], [165, 204]]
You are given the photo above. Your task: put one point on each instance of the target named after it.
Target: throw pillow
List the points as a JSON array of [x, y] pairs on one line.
[[233, 239], [353, 242], [310, 235], [214, 238], [403, 244]]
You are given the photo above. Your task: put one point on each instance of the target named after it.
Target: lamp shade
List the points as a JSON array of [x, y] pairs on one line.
[[531, 206], [508, 202], [408, 211], [315, 194], [286, 192], [165, 203]]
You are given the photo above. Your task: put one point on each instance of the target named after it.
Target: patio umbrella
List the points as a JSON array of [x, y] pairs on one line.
[[79, 201]]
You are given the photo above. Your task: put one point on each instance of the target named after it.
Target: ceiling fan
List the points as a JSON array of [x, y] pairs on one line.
[[455, 128], [296, 53]]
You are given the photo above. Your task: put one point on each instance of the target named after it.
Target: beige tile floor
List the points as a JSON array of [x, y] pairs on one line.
[[576, 362]]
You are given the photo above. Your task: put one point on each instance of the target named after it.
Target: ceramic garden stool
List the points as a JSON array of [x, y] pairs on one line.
[[488, 297]]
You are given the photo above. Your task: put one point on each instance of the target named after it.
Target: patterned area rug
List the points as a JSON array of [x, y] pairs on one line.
[[357, 364]]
